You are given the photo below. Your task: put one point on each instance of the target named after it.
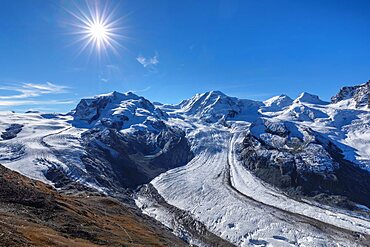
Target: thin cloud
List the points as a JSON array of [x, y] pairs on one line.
[[141, 90], [29, 90], [148, 62], [111, 72], [30, 94], [34, 102], [104, 79]]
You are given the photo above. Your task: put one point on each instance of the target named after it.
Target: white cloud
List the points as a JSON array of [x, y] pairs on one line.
[[148, 62], [29, 93], [34, 102], [28, 90]]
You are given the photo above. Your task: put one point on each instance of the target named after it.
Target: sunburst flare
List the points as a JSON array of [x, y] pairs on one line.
[[96, 27]]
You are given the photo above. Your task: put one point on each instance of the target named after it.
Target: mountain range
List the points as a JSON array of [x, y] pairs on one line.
[[213, 170]]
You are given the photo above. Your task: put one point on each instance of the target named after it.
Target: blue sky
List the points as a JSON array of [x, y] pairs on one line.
[[174, 49]]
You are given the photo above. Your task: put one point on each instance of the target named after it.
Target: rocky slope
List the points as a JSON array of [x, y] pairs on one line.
[[302, 162], [125, 160], [34, 214], [122, 141], [307, 147], [357, 96], [127, 142]]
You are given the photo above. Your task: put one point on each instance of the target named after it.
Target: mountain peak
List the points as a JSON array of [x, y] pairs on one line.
[[213, 106], [278, 102], [216, 92], [117, 95], [309, 98], [118, 110]]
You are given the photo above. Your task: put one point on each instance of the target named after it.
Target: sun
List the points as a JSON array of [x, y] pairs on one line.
[[96, 27], [98, 31], [99, 35]]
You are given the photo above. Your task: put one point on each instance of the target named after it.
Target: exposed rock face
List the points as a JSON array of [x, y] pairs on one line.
[[286, 146], [12, 131], [128, 160], [358, 94], [303, 162], [127, 143]]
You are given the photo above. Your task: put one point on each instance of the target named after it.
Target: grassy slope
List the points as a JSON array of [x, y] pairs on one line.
[[34, 214]]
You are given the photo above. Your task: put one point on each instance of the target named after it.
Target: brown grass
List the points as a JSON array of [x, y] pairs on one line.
[[33, 214]]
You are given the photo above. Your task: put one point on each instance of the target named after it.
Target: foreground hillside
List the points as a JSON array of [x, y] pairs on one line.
[[34, 214]]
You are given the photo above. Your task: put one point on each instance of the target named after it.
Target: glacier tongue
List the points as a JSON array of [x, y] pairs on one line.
[[235, 205]]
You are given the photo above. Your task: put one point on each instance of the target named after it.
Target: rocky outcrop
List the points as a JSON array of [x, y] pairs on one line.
[[359, 95], [12, 131], [303, 163], [117, 159]]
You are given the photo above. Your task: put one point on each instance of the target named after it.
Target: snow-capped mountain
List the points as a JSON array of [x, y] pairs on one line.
[[116, 110], [215, 169], [215, 105], [128, 143]]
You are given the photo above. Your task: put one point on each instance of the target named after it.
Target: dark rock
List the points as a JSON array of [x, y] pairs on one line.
[[12, 131], [117, 160], [359, 94], [289, 166]]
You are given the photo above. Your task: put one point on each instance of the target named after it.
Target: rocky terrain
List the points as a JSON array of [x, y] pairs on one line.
[[357, 95], [302, 162], [34, 214]]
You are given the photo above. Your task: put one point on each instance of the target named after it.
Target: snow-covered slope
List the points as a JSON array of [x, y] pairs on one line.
[[309, 99], [109, 142], [29, 151], [277, 103]]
